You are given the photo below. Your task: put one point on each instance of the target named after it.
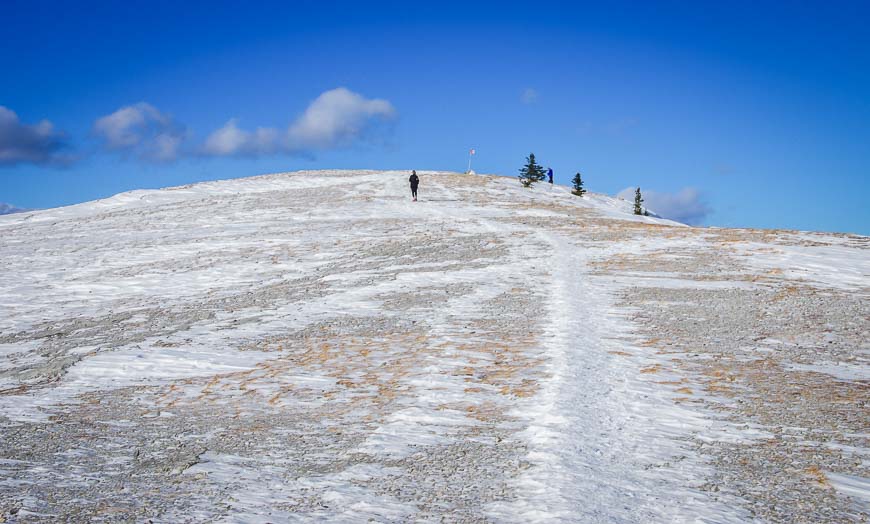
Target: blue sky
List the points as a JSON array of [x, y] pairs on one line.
[[729, 114]]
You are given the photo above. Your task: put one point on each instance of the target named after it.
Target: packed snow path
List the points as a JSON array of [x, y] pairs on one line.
[[314, 346]]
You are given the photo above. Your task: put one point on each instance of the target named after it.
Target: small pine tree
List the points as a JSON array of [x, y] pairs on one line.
[[531, 172], [578, 185], [638, 200]]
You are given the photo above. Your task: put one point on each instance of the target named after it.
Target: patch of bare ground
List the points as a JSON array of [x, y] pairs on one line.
[[759, 357], [307, 412]]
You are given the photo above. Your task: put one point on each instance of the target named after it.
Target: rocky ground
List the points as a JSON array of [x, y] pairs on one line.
[[304, 347], [758, 357]]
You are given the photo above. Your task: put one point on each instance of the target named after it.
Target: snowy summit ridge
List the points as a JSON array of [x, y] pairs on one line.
[[315, 346], [612, 206]]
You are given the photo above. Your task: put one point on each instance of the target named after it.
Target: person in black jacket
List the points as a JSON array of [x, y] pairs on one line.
[[414, 183]]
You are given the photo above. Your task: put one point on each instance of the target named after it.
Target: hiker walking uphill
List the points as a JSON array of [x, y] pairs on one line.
[[550, 175], [414, 183]]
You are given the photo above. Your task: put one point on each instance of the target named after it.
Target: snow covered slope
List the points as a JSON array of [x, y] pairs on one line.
[[315, 346]]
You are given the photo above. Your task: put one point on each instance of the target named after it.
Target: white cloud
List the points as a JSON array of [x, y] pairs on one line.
[[723, 168], [22, 143], [230, 140], [142, 130], [685, 206], [529, 96], [619, 126], [6, 209], [336, 118]]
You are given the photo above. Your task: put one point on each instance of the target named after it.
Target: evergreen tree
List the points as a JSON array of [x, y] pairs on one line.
[[638, 200], [531, 172], [578, 185]]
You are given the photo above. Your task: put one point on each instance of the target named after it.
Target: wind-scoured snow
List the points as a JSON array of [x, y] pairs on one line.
[[313, 346]]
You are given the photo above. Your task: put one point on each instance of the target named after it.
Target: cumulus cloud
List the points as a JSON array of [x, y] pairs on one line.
[[7, 209], [723, 168], [619, 126], [37, 144], [336, 118], [230, 140], [142, 130], [529, 96], [686, 206]]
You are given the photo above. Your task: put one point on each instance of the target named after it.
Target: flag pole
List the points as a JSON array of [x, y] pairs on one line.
[[467, 171]]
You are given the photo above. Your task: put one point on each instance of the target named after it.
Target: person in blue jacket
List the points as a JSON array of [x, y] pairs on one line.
[[550, 175]]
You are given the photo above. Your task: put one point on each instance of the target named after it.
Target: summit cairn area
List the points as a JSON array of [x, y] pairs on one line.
[[313, 346]]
